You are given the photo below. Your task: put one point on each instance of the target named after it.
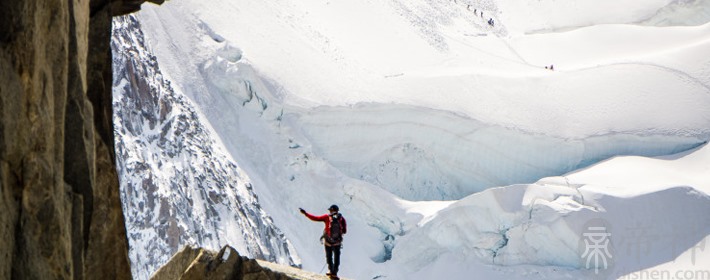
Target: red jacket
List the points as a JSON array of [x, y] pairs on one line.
[[327, 220]]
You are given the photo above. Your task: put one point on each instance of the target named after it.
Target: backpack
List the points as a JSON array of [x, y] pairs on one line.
[[336, 230]]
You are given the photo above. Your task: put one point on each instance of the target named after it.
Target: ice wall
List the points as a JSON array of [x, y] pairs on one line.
[[425, 154]]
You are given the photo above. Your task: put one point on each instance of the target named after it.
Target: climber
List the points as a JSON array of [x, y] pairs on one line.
[[332, 238]]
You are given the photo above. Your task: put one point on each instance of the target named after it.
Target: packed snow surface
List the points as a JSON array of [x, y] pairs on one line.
[[451, 149]]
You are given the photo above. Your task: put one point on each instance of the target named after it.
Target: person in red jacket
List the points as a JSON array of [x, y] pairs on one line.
[[335, 228]]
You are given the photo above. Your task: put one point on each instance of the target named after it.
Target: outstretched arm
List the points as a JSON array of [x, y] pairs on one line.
[[313, 217]]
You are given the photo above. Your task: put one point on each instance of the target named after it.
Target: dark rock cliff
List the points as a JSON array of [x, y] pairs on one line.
[[61, 214]]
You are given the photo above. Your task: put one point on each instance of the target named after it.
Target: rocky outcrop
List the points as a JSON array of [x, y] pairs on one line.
[[59, 196], [200, 264]]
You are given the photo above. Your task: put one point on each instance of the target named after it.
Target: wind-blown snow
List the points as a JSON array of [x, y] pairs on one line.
[[376, 105]]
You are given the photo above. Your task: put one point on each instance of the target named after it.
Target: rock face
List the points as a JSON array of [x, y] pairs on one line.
[[198, 264], [179, 185], [59, 196]]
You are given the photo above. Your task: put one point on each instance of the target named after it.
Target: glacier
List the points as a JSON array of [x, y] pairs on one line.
[[450, 149]]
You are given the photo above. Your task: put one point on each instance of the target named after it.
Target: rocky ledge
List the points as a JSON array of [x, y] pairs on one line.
[[201, 264]]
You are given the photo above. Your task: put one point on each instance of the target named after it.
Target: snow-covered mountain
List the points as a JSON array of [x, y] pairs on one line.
[[451, 149], [178, 185]]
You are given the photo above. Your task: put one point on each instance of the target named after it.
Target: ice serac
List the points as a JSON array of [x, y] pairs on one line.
[[179, 186], [544, 223]]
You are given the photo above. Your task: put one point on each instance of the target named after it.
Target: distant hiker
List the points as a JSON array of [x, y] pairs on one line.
[[481, 13], [552, 67], [332, 238], [475, 11], [491, 22]]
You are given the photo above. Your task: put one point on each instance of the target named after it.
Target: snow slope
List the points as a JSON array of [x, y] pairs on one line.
[[178, 185], [395, 109]]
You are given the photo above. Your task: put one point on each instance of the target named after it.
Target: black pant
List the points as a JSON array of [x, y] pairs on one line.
[[332, 256]]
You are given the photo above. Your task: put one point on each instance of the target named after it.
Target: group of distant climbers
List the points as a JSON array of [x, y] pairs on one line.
[[491, 22]]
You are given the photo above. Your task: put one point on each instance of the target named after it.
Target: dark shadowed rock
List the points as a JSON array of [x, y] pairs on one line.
[[59, 197]]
